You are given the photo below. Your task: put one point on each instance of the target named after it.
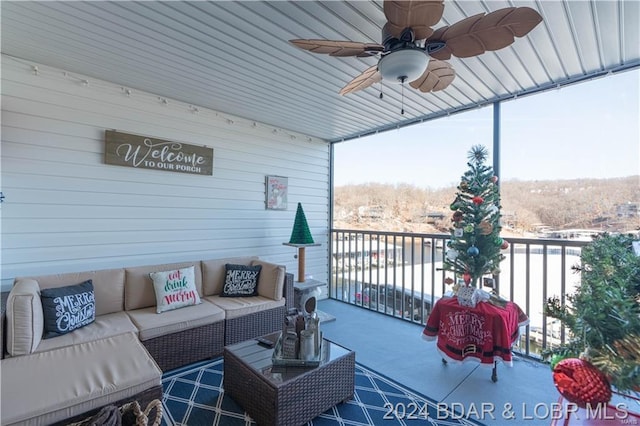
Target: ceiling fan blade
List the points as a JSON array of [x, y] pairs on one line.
[[420, 16], [364, 80], [338, 48], [437, 76], [480, 33]]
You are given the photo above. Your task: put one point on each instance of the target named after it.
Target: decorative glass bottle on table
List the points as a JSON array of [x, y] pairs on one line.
[[300, 342]]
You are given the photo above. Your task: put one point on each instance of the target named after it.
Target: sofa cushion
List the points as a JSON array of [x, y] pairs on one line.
[[241, 280], [51, 386], [235, 307], [175, 289], [214, 272], [152, 325], [108, 286], [24, 317], [138, 289], [104, 326], [67, 308], [271, 282]]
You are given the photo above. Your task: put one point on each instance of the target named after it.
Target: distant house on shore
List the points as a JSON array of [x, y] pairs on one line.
[[628, 209], [433, 217], [371, 212]]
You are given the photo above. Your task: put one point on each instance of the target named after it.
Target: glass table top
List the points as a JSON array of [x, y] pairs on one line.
[[259, 359]]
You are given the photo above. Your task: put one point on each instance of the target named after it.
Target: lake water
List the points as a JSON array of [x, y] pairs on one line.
[[529, 285]]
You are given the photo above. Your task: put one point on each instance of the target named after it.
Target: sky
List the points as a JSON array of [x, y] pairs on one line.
[[586, 130]]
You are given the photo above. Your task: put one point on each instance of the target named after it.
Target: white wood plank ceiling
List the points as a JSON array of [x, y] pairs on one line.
[[234, 56]]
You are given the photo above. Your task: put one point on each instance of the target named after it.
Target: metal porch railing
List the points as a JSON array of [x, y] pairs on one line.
[[400, 275]]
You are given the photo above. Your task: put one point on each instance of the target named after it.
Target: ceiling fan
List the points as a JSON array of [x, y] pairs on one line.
[[411, 51]]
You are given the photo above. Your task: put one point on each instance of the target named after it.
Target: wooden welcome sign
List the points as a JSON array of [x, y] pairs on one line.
[[123, 149]]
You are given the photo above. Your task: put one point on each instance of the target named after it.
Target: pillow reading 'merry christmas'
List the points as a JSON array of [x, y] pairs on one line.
[[241, 280], [67, 308], [175, 289]]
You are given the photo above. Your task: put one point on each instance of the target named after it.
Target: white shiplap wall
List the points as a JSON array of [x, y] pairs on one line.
[[65, 210]]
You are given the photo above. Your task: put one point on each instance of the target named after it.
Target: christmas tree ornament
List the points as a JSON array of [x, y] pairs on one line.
[[477, 200], [448, 280], [469, 228], [464, 185], [608, 270], [494, 179], [478, 154], [453, 206], [457, 216], [504, 245], [452, 254], [581, 383], [485, 228], [473, 251], [458, 232], [498, 241]]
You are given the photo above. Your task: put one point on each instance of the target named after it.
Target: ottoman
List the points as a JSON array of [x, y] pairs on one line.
[[47, 387]]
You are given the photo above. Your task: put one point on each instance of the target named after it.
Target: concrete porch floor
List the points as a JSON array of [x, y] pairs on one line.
[[395, 348]]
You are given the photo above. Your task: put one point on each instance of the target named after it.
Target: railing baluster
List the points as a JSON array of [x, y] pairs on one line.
[[528, 293], [544, 294], [563, 288], [395, 270]]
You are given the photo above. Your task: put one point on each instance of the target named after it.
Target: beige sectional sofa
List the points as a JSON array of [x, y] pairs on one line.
[[121, 355]]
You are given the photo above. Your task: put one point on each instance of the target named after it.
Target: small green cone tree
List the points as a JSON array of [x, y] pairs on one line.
[[474, 248], [300, 233]]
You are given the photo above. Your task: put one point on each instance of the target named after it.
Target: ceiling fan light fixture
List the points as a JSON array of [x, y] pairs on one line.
[[403, 65]]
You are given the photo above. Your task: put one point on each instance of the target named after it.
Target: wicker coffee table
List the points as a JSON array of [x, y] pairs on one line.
[[283, 396]]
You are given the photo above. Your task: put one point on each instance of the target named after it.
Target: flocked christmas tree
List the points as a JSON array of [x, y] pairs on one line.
[[474, 248]]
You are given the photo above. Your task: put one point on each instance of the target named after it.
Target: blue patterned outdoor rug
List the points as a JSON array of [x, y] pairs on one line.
[[193, 396]]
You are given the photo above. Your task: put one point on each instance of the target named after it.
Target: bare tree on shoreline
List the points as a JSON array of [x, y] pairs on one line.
[[604, 204]]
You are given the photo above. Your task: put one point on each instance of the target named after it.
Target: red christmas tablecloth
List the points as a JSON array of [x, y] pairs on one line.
[[483, 334]]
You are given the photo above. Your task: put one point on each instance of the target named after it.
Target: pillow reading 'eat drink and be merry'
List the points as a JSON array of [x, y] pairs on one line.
[[175, 289]]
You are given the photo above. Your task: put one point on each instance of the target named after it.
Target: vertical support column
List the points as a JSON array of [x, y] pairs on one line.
[[496, 167], [301, 262], [301, 258], [496, 140]]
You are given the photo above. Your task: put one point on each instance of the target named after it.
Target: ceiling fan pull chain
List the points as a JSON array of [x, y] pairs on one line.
[[402, 97], [381, 95]]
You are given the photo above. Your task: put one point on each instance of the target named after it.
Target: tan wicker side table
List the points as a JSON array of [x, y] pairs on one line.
[[287, 396]]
